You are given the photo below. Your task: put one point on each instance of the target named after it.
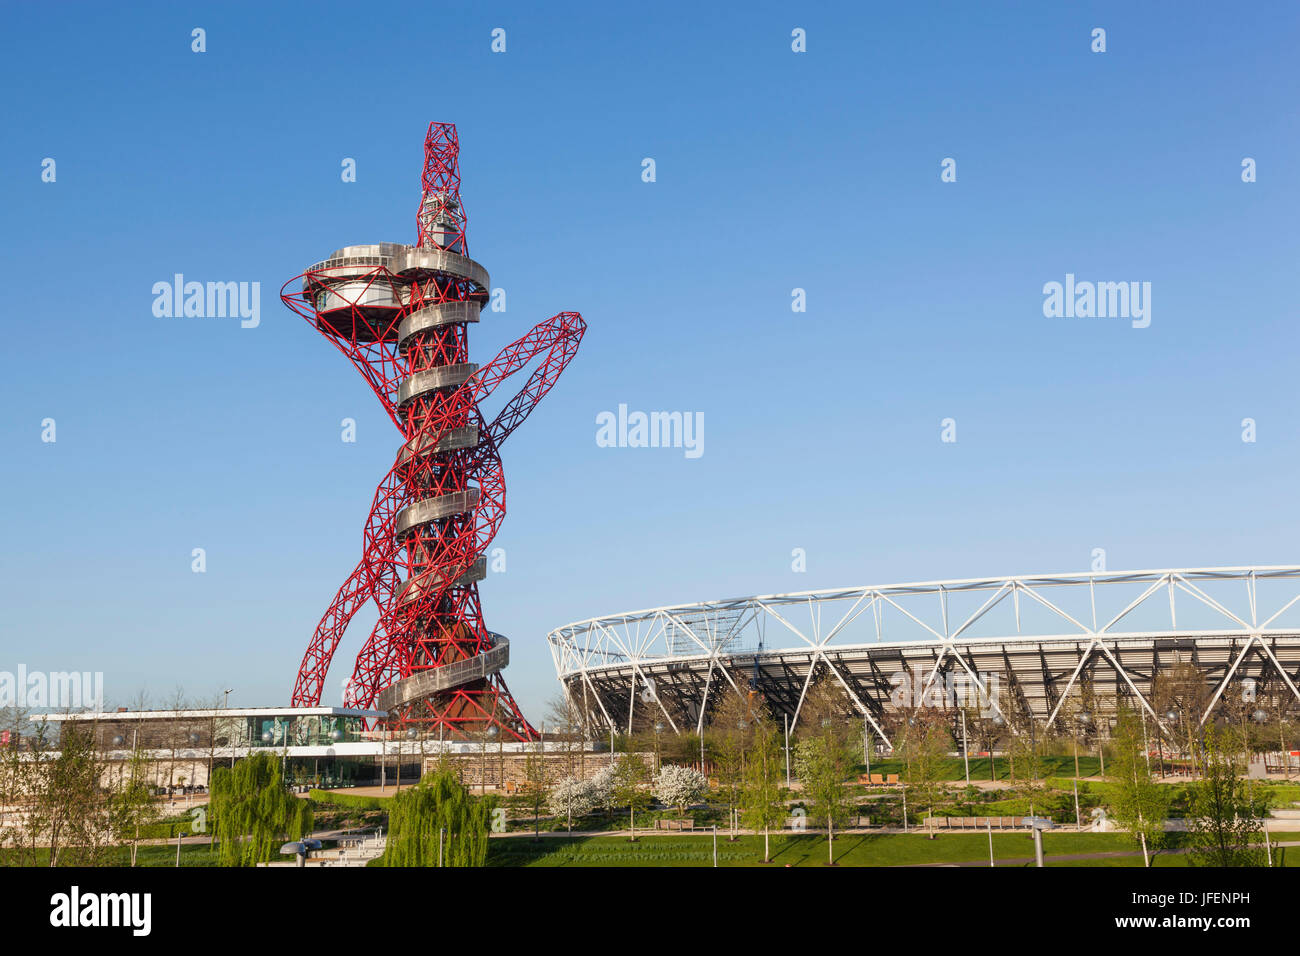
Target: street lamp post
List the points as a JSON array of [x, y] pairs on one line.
[[1083, 720], [411, 734], [911, 722], [1033, 760], [1259, 716], [1281, 736], [965, 746], [998, 721], [482, 766], [1038, 825], [494, 731], [1146, 744], [866, 747], [1172, 716], [284, 739], [787, 750]]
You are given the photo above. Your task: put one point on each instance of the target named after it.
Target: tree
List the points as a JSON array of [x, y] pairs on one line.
[[253, 813], [72, 806], [732, 733], [1023, 744], [679, 786], [572, 797], [1224, 818], [763, 797], [176, 732], [19, 779], [924, 749], [629, 776], [825, 754], [438, 811], [1181, 690], [535, 776], [602, 783], [1139, 804], [62, 801], [565, 718], [208, 733], [131, 804]]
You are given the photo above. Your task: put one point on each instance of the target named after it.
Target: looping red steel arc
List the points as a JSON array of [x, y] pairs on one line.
[[400, 315]]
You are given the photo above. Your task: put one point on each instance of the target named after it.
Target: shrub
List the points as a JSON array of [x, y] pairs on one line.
[[349, 800]]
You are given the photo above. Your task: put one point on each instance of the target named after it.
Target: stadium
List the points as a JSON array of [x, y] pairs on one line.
[[1033, 654]]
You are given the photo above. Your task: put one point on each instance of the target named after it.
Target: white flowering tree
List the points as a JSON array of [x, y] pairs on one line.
[[572, 797], [602, 784], [679, 786]]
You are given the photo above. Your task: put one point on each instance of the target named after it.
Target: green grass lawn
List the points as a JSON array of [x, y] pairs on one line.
[[152, 855], [855, 849]]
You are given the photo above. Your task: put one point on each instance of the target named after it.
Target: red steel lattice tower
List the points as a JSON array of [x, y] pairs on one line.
[[401, 314]]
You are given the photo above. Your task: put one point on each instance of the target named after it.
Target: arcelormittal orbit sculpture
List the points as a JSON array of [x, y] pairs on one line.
[[401, 314]]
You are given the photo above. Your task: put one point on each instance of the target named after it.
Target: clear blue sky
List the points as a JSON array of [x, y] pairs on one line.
[[775, 170]]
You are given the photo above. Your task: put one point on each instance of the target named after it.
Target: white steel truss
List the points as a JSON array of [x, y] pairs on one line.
[[1045, 632]]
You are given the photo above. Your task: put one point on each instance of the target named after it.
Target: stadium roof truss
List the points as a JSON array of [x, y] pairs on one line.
[[1047, 634]]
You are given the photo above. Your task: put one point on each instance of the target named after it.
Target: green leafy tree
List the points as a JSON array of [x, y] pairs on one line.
[[763, 800], [438, 807], [924, 750], [131, 805], [23, 770], [536, 781], [1139, 804], [825, 755], [253, 813], [1225, 819], [630, 775], [731, 732], [72, 803], [1183, 691], [1024, 743]]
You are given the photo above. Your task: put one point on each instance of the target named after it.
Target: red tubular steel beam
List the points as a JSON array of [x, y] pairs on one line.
[[399, 313]]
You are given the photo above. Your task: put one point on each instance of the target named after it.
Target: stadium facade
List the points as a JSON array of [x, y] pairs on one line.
[[1032, 653]]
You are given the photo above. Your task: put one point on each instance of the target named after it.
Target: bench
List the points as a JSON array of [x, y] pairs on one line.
[[856, 822], [686, 823], [974, 823]]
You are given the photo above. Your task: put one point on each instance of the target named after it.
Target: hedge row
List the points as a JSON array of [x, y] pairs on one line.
[[327, 798]]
